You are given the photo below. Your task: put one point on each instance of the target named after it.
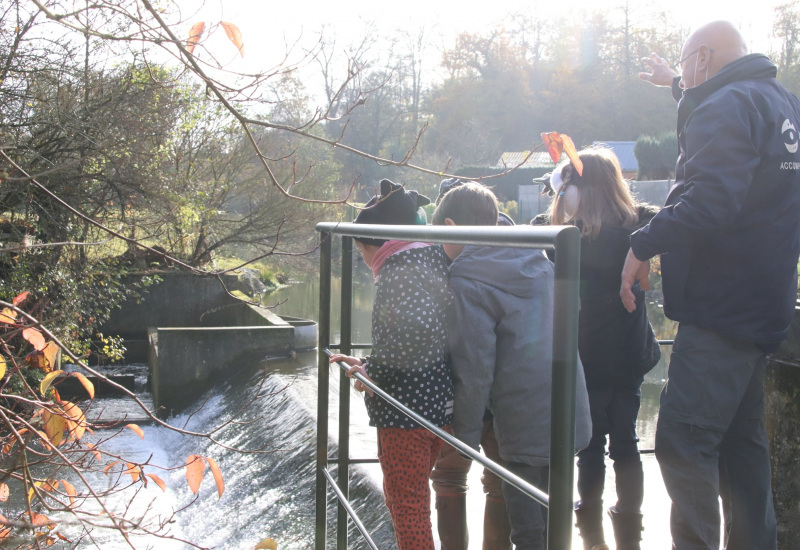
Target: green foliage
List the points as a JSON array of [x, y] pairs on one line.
[[511, 208], [656, 156]]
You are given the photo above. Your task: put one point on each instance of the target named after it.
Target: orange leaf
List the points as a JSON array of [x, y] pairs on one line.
[[234, 34], [110, 465], [44, 440], [34, 337], [136, 429], [8, 316], [195, 469], [40, 519], [2, 367], [3, 492], [569, 149], [554, 144], [97, 454], [38, 360], [132, 470], [217, 475], [194, 35], [266, 544], [87, 384], [76, 420], [158, 481], [50, 351], [69, 488], [62, 537], [21, 297]]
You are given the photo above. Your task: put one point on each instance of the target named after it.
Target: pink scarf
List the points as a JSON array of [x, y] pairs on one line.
[[390, 248]]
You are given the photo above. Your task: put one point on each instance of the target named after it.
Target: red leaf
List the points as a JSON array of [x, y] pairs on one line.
[[554, 144], [217, 475], [234, 34], [194, 35], [195, 469], [21, 297], [35, 338]]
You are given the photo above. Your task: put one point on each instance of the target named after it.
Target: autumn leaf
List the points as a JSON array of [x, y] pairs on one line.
[[2, 367], [195, 469], [572, 153], [76, 420], [21, 297], [53, 425], [194, 35], [110, 465], [158, 481], [69, 488], [97, 454], [266, 544], [8, 316], [47, 380], [87, 384], [132, 470], [50, 351], [38, 360], [234, 34], [3, 492], [136, 429], [40, 519], [554, 144], [217, 475], [35, 338]]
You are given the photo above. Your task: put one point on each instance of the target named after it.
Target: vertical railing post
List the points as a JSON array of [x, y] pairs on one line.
[[323, 376], [345, 342], [565, 365]]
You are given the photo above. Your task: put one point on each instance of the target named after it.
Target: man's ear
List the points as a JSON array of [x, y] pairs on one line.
[[449, 221]]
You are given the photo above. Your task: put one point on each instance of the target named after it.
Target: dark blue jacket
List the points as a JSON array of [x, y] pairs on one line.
[[729, 235]]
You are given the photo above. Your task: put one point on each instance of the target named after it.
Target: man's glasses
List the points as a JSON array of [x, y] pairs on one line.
[[679, 65]]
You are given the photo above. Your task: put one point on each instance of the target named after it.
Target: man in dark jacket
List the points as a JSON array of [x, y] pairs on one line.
[[729, 239]]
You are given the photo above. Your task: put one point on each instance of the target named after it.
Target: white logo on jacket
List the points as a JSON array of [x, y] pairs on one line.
[[789, 136]]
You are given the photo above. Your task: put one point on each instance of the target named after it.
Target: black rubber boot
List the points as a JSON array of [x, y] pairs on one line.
[[451, 519], [496, 529], [627, 529], [589, 521]]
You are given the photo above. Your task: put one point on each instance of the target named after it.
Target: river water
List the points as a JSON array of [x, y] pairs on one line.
[[271, 493]]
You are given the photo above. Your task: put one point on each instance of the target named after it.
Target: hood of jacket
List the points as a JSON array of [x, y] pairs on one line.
[[508, 269]]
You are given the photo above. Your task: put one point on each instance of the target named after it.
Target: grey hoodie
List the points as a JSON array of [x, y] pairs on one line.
[[501, 349]]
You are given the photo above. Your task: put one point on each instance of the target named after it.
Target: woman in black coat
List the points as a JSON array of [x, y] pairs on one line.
[[616, 348]]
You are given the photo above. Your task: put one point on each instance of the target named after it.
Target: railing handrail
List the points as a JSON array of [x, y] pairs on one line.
[[566, 239], [462, 447]]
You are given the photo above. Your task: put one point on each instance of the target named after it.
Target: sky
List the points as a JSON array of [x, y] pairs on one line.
[[268, 27]]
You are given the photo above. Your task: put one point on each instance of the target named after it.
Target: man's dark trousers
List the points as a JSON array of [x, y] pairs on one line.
[[710, 442]]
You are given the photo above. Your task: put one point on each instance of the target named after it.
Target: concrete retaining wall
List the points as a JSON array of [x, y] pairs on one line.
[[186, 361]]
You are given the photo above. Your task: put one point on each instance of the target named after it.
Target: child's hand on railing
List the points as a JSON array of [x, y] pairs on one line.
[[356, 366]]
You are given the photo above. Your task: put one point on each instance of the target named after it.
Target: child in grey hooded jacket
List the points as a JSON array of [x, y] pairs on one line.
[[501, 353]]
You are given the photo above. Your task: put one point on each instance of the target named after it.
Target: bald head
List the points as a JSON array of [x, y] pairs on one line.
[[723, 38], [708, 49]]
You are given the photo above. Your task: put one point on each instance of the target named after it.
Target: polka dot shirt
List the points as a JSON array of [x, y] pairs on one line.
[[409, 339]]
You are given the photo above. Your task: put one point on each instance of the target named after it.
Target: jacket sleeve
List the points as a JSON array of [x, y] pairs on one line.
[[473, 355], [719, 163]]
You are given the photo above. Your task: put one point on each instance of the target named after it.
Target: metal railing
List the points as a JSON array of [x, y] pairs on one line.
[[565, 239]]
